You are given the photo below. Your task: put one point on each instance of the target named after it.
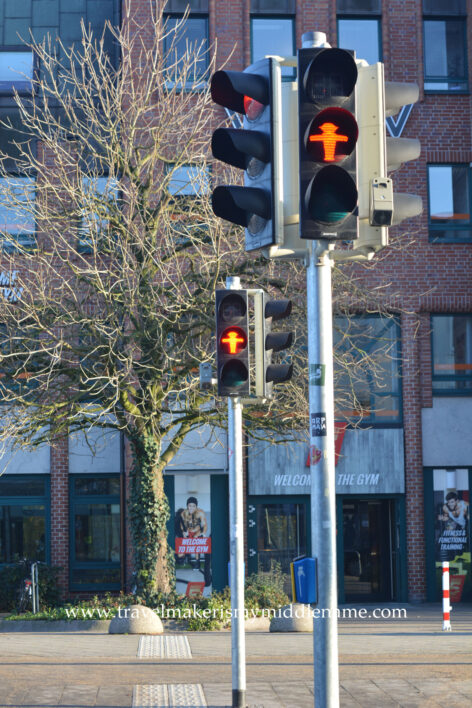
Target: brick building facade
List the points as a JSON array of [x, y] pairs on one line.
[[421, 451]]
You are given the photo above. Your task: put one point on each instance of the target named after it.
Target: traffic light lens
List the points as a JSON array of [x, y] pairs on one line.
[[233, 340], [331, 195], [331, 135], [331, 74], [252, 108], [232, 307], [234, 373]]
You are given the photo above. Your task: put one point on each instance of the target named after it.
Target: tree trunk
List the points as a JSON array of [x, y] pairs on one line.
[[149, 513]]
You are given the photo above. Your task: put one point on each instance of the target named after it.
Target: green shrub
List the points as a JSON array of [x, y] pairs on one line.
[[266, 590]]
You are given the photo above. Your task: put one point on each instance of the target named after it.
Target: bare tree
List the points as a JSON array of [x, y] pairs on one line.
[[113, 254]]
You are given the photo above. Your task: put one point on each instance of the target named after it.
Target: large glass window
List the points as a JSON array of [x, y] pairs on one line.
[[95, 533], [452, 353], [16, 71], [362, 35], [449, 203], [23, 518], [273, 35], [17, 211], [445, 55], [186, 47], [367, 370]]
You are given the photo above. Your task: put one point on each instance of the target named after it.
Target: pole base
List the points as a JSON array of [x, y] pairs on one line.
[[446, 626], [239, 698]]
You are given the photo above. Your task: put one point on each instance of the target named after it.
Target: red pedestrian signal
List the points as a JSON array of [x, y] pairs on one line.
[[233, 341], [328, 139]]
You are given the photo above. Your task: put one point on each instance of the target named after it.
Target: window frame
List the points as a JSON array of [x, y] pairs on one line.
[[449, 226], [274, 16], [449, 392], [38, 500], [22, 91], [197, 83], [446, 79], [75, 565], [362, 18]]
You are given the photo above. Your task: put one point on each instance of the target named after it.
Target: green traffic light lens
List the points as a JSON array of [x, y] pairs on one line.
[[331, 196], [234, 373]]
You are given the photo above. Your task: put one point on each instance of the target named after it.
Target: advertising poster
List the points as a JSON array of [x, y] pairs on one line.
[[452, 532], [192, 526]]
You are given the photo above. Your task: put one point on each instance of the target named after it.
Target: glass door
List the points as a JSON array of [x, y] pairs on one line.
[[369, 537], [281, 536]]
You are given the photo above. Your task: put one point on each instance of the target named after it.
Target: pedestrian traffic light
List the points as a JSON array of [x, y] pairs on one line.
[[256, 148], [327, 137], [379, 206], [232, 342], [268, 342]]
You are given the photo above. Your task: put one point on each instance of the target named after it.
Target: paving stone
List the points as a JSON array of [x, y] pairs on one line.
[[368, 694], [79, 695]]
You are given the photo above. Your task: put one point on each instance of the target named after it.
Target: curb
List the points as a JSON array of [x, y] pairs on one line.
[[254, 624], [54, 626]]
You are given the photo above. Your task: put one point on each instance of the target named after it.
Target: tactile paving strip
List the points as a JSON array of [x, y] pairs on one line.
[[171, 695], [174, 646]]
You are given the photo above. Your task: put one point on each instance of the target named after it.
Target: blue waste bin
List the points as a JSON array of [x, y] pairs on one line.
[[304, 580]]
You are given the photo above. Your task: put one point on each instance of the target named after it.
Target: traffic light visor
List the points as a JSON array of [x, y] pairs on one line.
[[332, 74], [331, 136], [237, 90]]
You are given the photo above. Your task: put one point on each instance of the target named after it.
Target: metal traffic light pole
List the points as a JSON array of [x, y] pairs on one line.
[[236, 519], [322, 467]]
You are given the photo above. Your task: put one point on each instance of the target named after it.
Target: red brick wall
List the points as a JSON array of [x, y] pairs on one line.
[[60, 511]]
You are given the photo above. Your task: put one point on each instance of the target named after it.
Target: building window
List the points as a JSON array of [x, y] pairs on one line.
[[17, 211], [361, 34], [186, 48], [24, 522], [95, 562], [16, 71], [452, 354], [99, 196], [445, 55], [368, 370], [449, 203], [273, 35]]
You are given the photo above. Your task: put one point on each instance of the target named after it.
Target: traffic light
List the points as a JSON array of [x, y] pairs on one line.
[[256, 149], [232, 342], [328, 133], [268, 342], [379, 206]]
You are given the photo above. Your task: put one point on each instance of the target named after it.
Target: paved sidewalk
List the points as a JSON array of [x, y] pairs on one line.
[[407, 663]]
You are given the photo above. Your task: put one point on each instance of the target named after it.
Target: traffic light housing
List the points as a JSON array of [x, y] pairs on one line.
[[328, 134], [268, 342], [379, 206], [256, 149], [232, 342]]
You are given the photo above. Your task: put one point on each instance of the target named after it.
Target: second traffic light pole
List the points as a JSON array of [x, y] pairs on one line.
[[323, 489], [236, 519]]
